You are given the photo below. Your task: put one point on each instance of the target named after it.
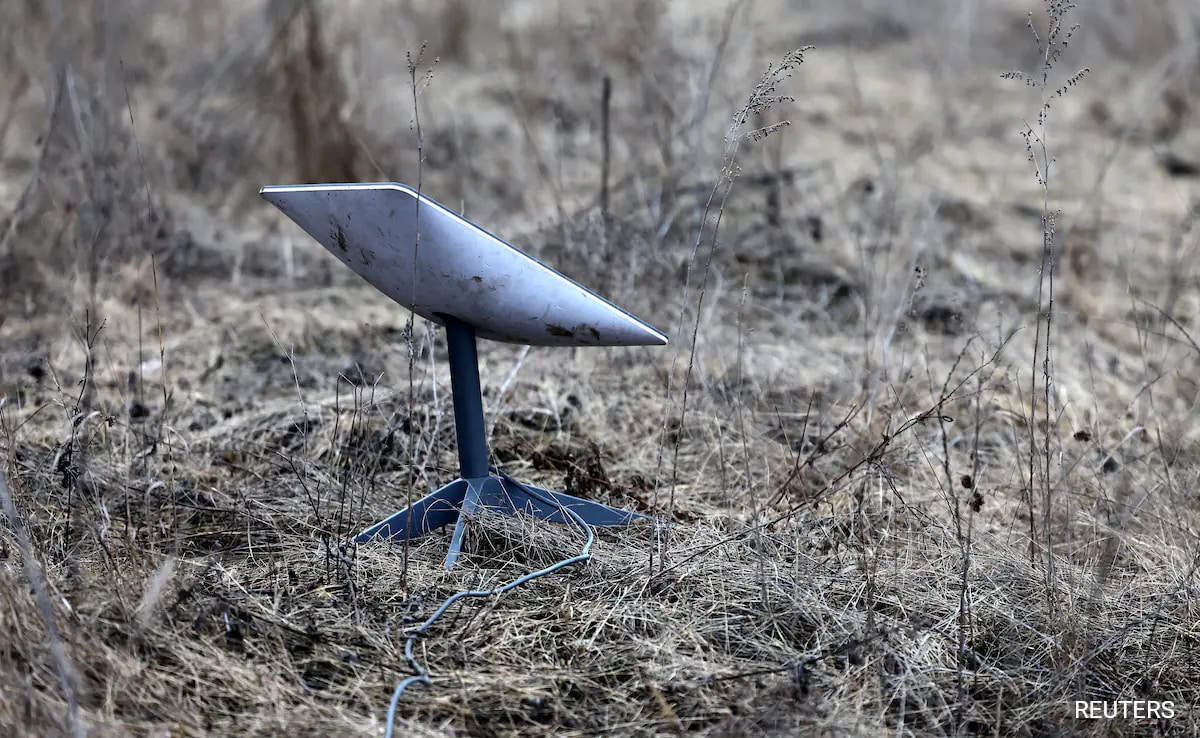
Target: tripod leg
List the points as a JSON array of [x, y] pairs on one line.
[[474, 497], [429, 513], [592, 513]]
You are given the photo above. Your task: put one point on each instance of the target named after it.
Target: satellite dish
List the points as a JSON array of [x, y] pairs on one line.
[[449, 270], [437, 263]]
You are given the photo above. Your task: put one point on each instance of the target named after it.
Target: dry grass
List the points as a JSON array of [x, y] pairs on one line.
[[886, 524]]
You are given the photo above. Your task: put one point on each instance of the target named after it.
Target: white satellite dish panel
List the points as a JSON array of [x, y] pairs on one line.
[[437, 263]]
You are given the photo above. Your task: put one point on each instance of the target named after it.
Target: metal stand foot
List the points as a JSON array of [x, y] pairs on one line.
[[460, 500]]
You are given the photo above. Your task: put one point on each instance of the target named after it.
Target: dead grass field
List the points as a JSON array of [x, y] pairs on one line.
[[896, 515]]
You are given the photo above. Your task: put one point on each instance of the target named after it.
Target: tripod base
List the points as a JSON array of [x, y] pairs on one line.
[[459, 500]]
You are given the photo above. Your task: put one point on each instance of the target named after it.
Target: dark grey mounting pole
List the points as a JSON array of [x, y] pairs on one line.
[[469, 427], [477, 487]]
